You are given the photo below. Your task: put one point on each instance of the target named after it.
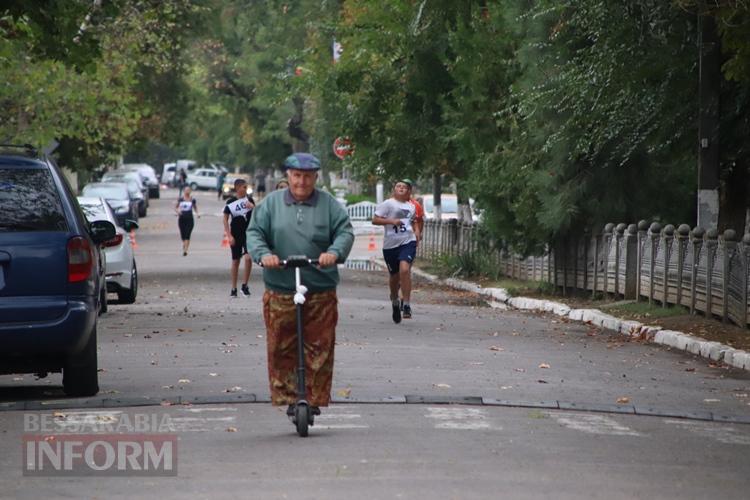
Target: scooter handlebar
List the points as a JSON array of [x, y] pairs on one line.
[[295, 261], [298, 261]]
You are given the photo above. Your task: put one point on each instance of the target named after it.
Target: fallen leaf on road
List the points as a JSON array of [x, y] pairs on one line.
[[154, 363], [231, 429], [183, 381], [542, 381], [476, 363], [259, 336], [544, 365], [504, 387], [344, 393], [167, 387], [213, 374], [236, 388], [127, 335], [711, 400], [520, 370], [442, 386], [623, 400], [496, 348]]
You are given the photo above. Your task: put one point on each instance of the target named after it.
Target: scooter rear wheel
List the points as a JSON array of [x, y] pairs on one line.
[[302, 415]]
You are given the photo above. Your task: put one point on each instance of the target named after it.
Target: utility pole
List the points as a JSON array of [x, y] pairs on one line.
[[708, 125]]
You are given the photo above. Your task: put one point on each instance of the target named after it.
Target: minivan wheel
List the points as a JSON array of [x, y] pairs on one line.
[[80, 377], [193, 186], [128, 296]]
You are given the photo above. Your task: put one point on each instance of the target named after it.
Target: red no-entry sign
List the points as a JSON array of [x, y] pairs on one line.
[[343, 147]]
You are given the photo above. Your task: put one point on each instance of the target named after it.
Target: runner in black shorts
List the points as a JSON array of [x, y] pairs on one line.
[[237, 214], [185, 207]]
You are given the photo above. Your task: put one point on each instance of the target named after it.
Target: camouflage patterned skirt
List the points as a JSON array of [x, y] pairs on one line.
[[320, 315]]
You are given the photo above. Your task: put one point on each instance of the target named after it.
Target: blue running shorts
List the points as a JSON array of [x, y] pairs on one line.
[[393, 256]]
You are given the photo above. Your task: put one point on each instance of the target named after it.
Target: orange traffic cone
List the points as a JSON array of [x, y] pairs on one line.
[[133, 243], [225, 242], [371, 245]]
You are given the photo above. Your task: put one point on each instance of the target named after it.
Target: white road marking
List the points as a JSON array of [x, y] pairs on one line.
[[592, 424], [332, 419], [458, 418], [201, 410], [720, 432]]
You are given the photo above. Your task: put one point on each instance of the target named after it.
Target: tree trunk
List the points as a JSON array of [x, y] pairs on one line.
[[734, 197]]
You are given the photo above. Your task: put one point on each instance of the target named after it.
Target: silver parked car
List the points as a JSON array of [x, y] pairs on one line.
[[121, 273]]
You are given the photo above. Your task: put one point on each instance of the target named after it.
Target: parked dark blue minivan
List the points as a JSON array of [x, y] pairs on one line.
[[51, 283]]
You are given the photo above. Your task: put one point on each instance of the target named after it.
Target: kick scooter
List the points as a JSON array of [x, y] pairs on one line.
[[303, 416]]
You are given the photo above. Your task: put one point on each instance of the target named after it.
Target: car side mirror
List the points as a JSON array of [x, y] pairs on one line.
[[101, 231], [130, 225]]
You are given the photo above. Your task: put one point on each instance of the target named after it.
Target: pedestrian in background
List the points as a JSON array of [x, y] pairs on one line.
[[300, 220], [260, 183], [400, 237], [181, 180], [282, 184], [185, 207], [237, 213], [220, 183]]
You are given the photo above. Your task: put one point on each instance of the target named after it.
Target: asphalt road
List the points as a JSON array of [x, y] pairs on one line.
[[529, 384]]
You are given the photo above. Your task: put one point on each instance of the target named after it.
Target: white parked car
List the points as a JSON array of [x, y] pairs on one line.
[[202, 178], [148, 173], [448, 207], [121, 271], [167, 175]]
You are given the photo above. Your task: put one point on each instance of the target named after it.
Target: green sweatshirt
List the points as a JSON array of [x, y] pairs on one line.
[[283, 226]]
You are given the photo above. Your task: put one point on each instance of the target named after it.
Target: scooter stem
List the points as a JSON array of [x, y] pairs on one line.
[[300, 342]]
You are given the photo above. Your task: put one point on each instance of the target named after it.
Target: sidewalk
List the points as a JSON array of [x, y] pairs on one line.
[[500, 298]]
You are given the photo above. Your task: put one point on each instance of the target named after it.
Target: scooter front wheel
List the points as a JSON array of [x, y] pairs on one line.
[[302, 415]]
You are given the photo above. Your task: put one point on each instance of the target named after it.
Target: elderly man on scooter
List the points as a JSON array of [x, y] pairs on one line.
[[300, 220]]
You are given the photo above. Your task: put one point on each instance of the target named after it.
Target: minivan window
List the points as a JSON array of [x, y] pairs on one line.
[[29, 201]]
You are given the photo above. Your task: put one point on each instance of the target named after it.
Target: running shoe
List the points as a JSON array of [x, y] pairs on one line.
[[233, 293], [245, 290], [407, 311], [396, 311]]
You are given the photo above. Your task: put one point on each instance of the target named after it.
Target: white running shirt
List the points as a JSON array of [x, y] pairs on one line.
[[395, 236]]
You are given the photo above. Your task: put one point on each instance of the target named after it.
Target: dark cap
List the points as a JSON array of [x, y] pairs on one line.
[[238, 182], [407, 181], [302, 161]]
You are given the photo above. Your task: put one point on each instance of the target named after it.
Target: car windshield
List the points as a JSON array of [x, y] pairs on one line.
[[93, 212], [29, 201], [448, 204], [107, 192]]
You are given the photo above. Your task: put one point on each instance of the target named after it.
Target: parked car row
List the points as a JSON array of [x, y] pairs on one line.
[[52, 273], [197, 177]]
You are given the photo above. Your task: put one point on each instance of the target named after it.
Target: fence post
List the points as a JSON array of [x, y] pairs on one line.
[[698, 233], [596, 266], [745, 276], [668, 240], [730, 243], [631, 260], [642, 234], [609, 230], [711, 246], [655, 230], [620, 234], [683, 233]]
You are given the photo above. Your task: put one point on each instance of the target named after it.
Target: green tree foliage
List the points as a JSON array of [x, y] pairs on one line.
[[93, 75], [597, 126], [243, 77]]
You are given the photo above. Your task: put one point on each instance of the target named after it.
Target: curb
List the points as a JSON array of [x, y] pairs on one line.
[[499, 298], [409, 399]]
